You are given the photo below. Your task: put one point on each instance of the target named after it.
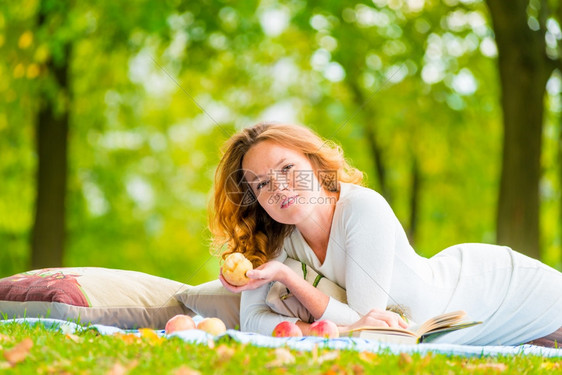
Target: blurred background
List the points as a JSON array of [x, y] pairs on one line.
[[113, 114]]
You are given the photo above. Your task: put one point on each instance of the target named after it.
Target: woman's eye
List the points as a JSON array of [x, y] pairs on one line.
[[287, 167], [261, 184]]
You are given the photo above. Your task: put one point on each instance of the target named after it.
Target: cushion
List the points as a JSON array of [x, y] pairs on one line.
[[280, 299], [124, 299], [212, 300]]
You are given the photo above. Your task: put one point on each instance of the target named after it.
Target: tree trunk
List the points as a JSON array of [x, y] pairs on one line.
[[414, 201], [52, 137], [559, 261], [524, 70], [374, 147]]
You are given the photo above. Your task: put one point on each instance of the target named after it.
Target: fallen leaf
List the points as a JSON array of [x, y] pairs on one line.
[[185, 370], [128, 338], [19, 352], [63, 362], [282, 357], [328, 356], [117, 369], [551, 365], [358, 369], [426, 360], [405, 359], [451, 363], [150, 335], [224, 353], [67, 329], [5, 365], [500, 367], [335, 370], [369, 357], [131, 365], [74, 338]]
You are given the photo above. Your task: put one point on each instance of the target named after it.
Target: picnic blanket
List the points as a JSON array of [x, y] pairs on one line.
[[308, 343]]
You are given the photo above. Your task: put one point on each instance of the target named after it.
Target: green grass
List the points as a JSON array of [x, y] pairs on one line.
[[88, 352]]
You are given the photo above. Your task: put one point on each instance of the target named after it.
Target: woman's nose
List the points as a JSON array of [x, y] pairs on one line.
[[279, 183]]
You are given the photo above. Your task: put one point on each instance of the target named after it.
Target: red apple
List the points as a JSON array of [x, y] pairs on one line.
[[179, 323], [324, 328], [214, 326], [287, 329]]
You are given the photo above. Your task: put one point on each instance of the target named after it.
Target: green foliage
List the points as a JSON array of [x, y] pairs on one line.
[[88, 352], [158, 86]]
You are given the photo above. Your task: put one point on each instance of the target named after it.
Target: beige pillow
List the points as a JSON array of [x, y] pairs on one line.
[[213, 300], [124, 299], [280, 299]]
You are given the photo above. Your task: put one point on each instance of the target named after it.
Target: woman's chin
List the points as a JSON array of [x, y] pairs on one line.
[[291, 215]]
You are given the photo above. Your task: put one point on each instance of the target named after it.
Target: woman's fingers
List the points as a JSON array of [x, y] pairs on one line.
[[392, 319], [253, 274], [227, 285], [252, 284], [267, 271]]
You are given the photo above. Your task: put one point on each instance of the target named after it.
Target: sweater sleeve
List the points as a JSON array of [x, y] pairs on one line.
[[370, 251], [255, 315], [369, 244]]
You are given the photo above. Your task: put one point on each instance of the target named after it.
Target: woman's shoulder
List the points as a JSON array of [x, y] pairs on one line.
[[357, 195], [358, 203]]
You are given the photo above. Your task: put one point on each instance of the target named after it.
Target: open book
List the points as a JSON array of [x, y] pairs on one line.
[[428, 331]]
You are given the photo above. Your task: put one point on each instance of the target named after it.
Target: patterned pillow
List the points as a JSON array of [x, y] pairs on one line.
[[124, 299]]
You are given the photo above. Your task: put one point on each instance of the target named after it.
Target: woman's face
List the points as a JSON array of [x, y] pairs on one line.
[[283, 180]]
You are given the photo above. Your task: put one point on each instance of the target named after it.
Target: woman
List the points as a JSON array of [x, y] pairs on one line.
[[280, 190]]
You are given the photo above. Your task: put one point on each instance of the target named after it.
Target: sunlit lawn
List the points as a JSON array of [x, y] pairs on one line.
[[35, 349]]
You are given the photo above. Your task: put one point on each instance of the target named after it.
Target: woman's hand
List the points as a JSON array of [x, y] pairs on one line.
[[267, 272], [378, 318]]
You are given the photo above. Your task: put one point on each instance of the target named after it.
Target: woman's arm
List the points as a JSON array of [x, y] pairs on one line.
[[370, 244], [256, 316]]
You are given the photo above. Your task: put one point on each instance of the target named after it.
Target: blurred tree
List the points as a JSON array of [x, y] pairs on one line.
[[525, 67], [157, 86], [397, 61], [52, 139]]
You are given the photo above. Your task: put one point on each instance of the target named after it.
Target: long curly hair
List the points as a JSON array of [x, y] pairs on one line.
[[237, 221]]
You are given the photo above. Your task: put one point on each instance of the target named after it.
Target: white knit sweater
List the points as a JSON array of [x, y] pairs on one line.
[[517, 298]]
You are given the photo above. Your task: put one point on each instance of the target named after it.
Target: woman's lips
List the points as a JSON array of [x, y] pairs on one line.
[[289, 201]]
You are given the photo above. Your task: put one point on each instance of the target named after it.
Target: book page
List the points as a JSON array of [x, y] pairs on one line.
[[441, 321], [385, 330]]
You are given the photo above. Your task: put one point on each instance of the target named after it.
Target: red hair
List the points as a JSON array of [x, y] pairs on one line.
[[236, 219]]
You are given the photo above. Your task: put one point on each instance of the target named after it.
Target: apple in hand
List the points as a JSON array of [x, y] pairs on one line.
[[234, 269], [287, 329], [214, 326], [324, 328], [179, 323]]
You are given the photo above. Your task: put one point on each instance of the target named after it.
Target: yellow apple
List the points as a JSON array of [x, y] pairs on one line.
[[234, 269], [214, 326]]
